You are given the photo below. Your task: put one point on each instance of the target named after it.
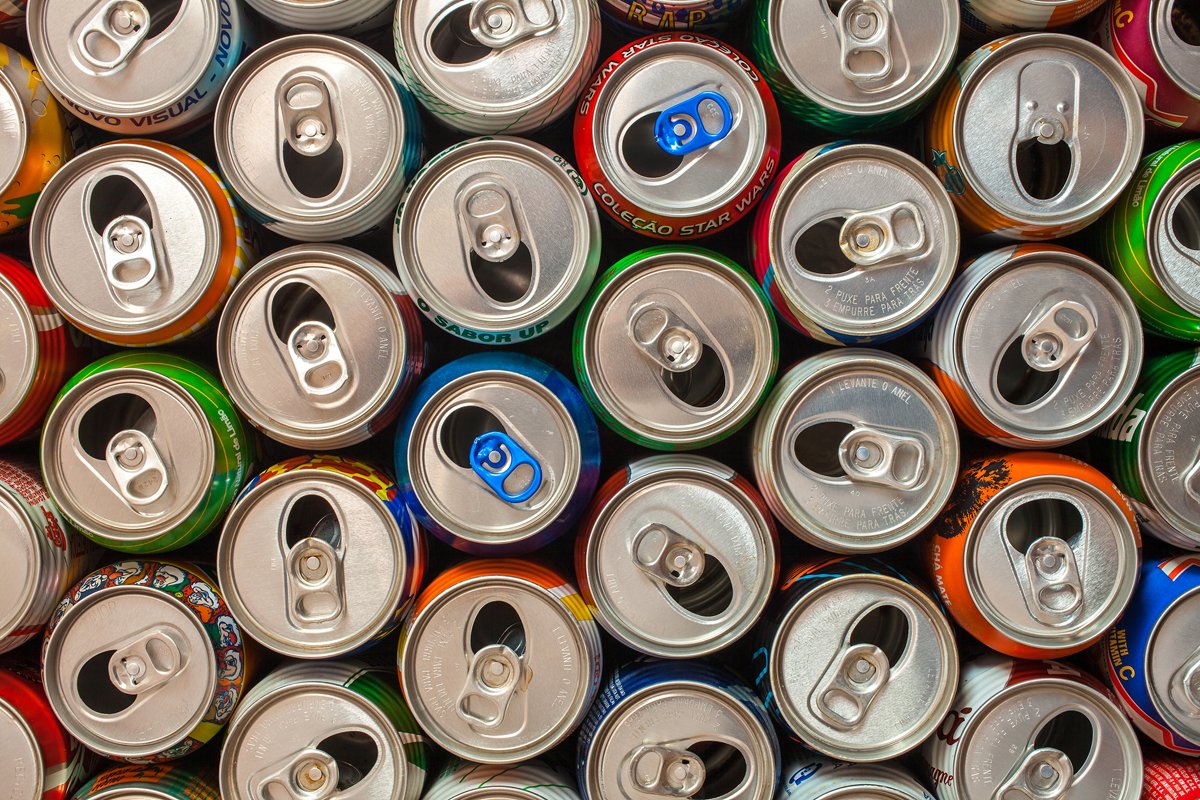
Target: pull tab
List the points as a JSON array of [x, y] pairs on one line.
[[306, 113], [1057, 336], [871, 237], [666, 556], [314, 582], [1184, 688], [486, 208], [666, 771], [866, 28], [692, 124], [496, 673], [849, 686], [317, 358], [127, 249], [310, 774], [495, 457], [150, 660], [1055, 590], [664, 338], [137, 467], [502, 23], [1043, 774], [871, 455], [112, 34]]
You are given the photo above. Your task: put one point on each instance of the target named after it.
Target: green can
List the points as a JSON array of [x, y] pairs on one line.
[[676, 347], [840, 71], [1151, 240], [1154, 442], [138, 782], [144, 452]]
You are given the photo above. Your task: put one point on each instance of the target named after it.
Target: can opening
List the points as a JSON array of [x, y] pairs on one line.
[[96, 689], [725, 769], [1185, 220], [642, 152], [710, 595], [111, 198], [1071, 734], [702, 385], [504, 281], [1041, 517], [1043, 169], [162, 14], [1186, 22], [356, 754], [461, 428], [116, 196], [110, 416], [312, 517], [452, 41], [818, 248], [886, 627], [296, 303], [1019, 383], [314, 176], [816, 447], [498, 623]]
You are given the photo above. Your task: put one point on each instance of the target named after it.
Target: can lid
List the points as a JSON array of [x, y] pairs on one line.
[[1173, 665], [14, 131], [1077, 134], [312, 346], [863, 239], [526, 240], [128, 454], [864, 667], [22, 769], [126, 239], [23, 566], [19, 358], [1173, 34], [1051, 562], [869, 435], [1168, 458], [1173, 233], [880, 57], [679, 346], [130, 671]]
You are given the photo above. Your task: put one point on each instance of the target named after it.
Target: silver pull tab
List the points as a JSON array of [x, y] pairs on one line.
[[496, 673], [317, 359], [664, 338], [882, 234], [1057, 336], [872, 455], [306, 113], [137, 467], [845, 692], [1184, 688], [112, 34], [127, 249], [866, 29], [1046, 90], [309, 774], [666, 771], [314, 587], [486, 208], [667, 556], [1053, 588], [150, 660], [1043, 774], [502, 23]]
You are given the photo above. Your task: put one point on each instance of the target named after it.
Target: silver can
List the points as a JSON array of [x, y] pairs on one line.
[[347, 17], [855, 451], [130, 68], [317, 137], [526, 246], [812, 777], [530, 780], [678, 556], [319, 346], [497, 66]]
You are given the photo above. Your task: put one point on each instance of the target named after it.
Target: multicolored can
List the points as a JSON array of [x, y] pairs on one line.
[[527, 244], [808, 776], [144, 451], [124, 69], [1169, 777], [530, 780], [317, 137], [158, 781], [1155, 40], [677, 729], [499, 660], [675, 348], [1035, 555], [677, 136], [143, 661], [347, 17], [319, 346], [1034, 346], [324, 729], [1035, 136], [41, 760], [12, 16], [991, 18], [677, 556], [138, 243], [1032, 729], [669, 15], [844, 274], [497, 454], [865, 65], [858, 662]]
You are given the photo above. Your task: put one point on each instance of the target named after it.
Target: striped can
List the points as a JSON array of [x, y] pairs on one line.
[[158, 781], [529, 780], [991, 18], [345, 17], [1170, 777], [12, 16], [809, 776]]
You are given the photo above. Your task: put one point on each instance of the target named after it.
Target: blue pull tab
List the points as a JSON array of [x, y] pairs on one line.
[[680, 129], [495, 456]]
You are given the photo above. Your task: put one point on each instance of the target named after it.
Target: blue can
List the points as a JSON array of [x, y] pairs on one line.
[[497, 454]]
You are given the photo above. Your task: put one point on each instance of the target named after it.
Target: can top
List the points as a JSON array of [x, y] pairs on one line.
[[19, 357], [14, 131], [1171, 657], [312, 563], [118, 58], [22, 769], [867, 57], [1051, 561], [1168, 457], [24, 579], [310, 128], [1048, 129], [128, 454], [863, 239], [126, 239], [527, 234], [1173, 237], [1172, 21], [130, 671], [864, 666]]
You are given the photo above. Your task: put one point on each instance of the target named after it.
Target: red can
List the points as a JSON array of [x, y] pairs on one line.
[[1168, 776]]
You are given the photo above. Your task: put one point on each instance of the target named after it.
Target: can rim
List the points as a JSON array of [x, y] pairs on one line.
[[1161, 704], [1184, 181], [24, 382], [1188, 526], [11, 617], [29, 749], [1159, 25], [18, 108]]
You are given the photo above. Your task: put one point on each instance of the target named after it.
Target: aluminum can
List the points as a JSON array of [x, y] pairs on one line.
[[317, 137], [347, 17], [1072, 148], [857, 662], [144, 452], [677, 729], [1170, 777], [860, 78], [992, 18], [318, 557], [677, 556], [121, 67], [1033, 346], [496, 66], [844, 274], [319, 346], [138, 243], [1150, 240], [675, 348], [497, 454], [41, 760], [855, 451], [668, 15], [39, 352], [530, 780], [499, 660], [151, 782], [1032, 729], [1035, 555], [12, 15], [808, 776], [1155, 40], [1150, 655], [44, 555], [527, 247], [143, 661], [323, 729], [677, 136]]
